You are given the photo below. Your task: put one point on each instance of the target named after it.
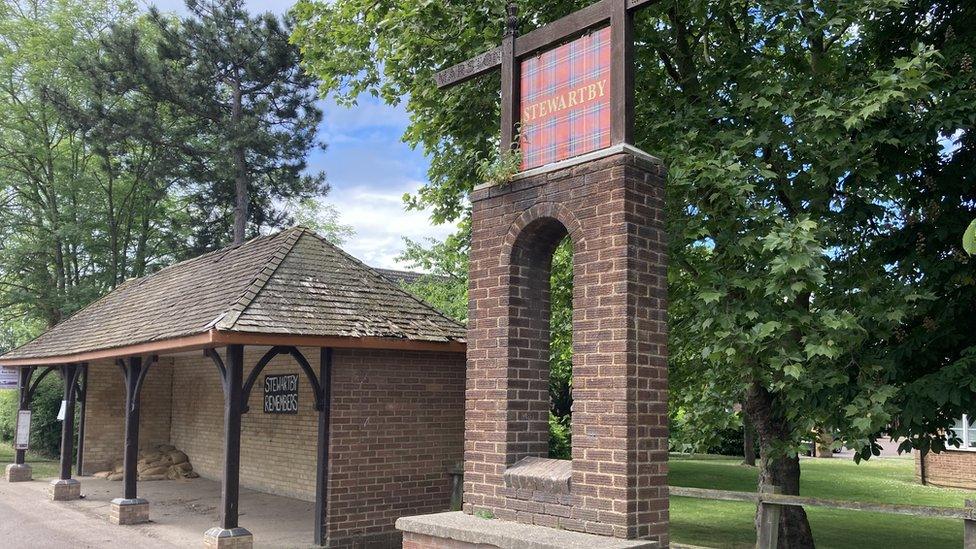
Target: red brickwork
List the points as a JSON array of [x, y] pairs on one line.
[[613, 210], [397, 424], [951, 469]]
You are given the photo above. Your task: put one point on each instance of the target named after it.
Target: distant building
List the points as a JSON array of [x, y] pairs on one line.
[[955, 467]]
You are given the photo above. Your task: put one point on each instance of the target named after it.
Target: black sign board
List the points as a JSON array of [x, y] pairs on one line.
[[281, 394]]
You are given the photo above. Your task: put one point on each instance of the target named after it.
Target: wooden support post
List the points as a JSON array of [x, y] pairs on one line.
[[70, 373], [229, 533], [768, 535], [25, 398], [130, 461], [130, 509], [19, 471], [322, 467], [969, 526], [230, 487], [66, 488], [621, 73], [83, 403], [511, 82]]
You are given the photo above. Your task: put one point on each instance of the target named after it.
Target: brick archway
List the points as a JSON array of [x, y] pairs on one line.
[[613, 210], [529, 247]]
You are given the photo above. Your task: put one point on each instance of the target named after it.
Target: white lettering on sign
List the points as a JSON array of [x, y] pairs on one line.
[[9, 378], [281, 394], [22, 437]]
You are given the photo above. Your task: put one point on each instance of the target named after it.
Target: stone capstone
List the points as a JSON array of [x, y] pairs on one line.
[[471, 531], [128, 511], [65, 489], [18, 473], [234, 538]]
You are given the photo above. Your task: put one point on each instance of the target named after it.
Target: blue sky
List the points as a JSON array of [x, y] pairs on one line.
[[368, 167]]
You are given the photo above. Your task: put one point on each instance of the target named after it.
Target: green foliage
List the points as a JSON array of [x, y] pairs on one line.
[[321, 217], [892, 481], [235, 80], [446, 287], [560, 436], [969, 239], [117, 149], [8, 415], [498, 168], [45, 437], [561, 345], [792, 131]]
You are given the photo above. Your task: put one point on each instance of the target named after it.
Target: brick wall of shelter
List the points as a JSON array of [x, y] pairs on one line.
[[397, 428], [105, 412], [613, 210], [949, 469]]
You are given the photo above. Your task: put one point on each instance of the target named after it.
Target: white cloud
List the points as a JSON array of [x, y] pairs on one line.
[[380, 222]]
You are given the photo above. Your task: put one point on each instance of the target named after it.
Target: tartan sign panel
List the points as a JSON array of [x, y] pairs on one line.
[[566, 101]]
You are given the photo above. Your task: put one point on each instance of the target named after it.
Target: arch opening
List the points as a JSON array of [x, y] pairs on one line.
[[541, 341]]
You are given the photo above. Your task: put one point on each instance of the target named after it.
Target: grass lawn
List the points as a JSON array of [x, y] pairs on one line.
[[42, 467], [729, 524]]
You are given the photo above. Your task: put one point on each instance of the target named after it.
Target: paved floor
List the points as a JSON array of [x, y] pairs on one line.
[[181, 511]]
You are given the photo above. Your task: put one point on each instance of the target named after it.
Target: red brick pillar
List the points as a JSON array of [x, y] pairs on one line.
[[612, 207]]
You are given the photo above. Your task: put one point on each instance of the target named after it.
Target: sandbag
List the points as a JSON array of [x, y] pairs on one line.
[[184, 467], [156, 471], [152, 477]]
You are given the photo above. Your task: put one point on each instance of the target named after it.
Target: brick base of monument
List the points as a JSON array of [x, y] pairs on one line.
[[457, 530], [65, 490], [234, 538], [128, 511], [18, 473]]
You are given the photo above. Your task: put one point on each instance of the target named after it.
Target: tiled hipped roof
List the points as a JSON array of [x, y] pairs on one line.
[[290, 283]]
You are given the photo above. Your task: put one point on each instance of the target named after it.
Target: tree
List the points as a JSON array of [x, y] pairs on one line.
[[446, 289], [47, 205], [789, 129], [238, 78]]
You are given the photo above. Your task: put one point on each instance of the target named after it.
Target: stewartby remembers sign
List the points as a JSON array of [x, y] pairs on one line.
[[9, 378], [281, 394], [22, 433], [567, 87], [566, 101]]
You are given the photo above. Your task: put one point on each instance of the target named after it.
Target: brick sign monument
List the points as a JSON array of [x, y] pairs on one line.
[[568, 88]]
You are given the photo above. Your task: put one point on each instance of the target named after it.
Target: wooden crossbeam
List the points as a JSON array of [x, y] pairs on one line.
[[560, 30]]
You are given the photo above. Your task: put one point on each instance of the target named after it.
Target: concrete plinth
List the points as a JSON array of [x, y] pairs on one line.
[[18, 473], [129, 511], [220, 538], [65, 489], [457, 530]]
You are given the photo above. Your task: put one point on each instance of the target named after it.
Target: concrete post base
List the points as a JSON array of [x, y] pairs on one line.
[[65, 490], [235, 538], [129, 511], [18, 473]]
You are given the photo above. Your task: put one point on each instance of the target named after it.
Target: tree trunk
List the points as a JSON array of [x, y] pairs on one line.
[[771, 428], [748, 442], [240, 172]]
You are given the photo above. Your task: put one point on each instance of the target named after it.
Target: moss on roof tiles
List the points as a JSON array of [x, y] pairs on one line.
[[293, 282]]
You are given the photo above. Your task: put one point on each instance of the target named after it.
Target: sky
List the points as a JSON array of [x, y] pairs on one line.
[[367, 165]]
